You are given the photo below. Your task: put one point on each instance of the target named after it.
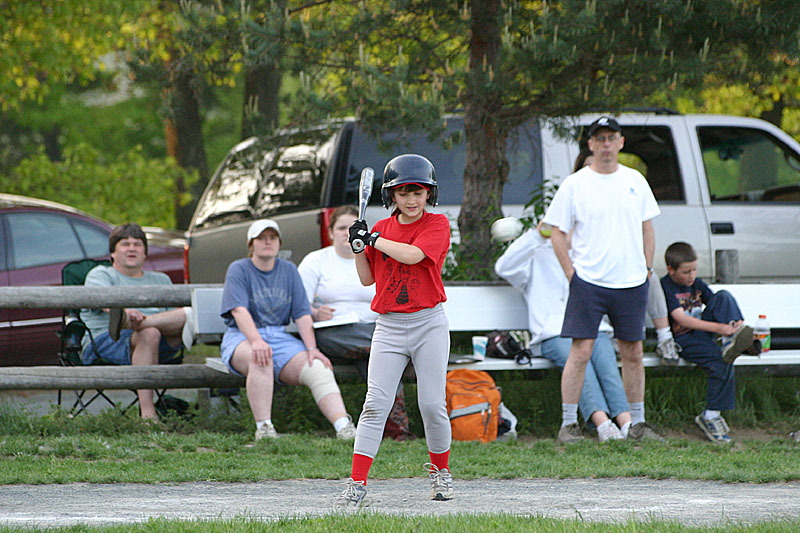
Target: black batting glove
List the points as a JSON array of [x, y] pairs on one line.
[[359, 233], [373, 237]]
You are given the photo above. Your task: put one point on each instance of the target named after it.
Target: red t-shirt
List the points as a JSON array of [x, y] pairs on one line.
[[401, 288]]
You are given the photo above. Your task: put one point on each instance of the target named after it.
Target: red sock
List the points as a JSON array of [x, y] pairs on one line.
[[361, 466], [440, 459]]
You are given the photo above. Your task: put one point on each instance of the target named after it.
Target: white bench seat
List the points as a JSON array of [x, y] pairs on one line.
[[483, 308]]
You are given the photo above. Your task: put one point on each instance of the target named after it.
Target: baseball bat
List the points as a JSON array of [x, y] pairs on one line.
[[364, 193]]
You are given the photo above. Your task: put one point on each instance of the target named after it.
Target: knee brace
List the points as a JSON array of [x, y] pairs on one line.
[[319, 379]]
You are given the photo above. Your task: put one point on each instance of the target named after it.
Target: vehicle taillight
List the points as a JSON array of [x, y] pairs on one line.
[[324, 222], [186, 263]]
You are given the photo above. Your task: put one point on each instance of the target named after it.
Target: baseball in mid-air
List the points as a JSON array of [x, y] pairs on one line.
[[506, 229]]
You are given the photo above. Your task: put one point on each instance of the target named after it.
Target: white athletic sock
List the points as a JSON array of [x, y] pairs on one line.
[[637, 412], [708, 414], [569, 414], [663, 334], [340, 423], [624, 429], [262, 423]]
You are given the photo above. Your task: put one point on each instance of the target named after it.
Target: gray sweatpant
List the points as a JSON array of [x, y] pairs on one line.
[[656, 302], [423, 338]]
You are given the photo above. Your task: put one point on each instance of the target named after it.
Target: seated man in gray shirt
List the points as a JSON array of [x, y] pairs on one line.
[[144, 336]]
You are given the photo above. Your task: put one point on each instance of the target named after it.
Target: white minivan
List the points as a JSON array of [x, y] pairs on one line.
[[722, 182]]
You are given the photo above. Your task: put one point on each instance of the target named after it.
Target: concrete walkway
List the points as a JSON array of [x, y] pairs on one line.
[[607, 500]]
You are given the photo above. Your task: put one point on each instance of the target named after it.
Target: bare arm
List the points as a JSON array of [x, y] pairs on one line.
[[262, 352], [405, 253], [690, 322], [561, 248], [649, 238], [364, 273], [306, 330]]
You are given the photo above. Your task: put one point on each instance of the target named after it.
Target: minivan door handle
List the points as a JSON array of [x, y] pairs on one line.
[[722, 228]]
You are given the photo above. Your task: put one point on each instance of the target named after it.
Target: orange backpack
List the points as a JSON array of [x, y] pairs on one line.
[[473, 404]]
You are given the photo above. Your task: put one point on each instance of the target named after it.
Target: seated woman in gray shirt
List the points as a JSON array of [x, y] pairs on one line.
[[261, 294]]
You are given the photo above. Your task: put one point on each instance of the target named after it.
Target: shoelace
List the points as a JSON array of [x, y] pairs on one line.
[[438, 476], [717, 426], [350, 490]]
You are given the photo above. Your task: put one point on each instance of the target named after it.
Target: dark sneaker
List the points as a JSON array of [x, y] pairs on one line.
[[116, 317], [716, 429], [441, 482], [644, 431], [354, 497], [734, 345], [569, 434], [668, 352], [754, 349]]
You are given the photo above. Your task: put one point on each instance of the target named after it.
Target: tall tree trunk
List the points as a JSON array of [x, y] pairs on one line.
[[775, 115], [184, 133], [486, 167], [261, 110]]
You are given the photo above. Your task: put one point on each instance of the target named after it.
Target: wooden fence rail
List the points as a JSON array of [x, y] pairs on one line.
[[73, 297], [189, 376]]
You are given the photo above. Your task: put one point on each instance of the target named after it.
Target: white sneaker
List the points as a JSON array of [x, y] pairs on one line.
[[353, 498], [668, 350], [348, 432], [441, 482], [267, 431], [608, 432]]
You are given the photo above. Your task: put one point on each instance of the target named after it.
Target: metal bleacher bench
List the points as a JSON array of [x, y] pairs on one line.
[[482, 308]]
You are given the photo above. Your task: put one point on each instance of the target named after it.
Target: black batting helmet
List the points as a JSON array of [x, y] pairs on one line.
[[406, 169]]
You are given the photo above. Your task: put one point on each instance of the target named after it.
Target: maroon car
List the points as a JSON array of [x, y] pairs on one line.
[[37, 238]]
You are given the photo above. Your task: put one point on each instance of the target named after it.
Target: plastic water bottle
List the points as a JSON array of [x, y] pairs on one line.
[[761, 333]]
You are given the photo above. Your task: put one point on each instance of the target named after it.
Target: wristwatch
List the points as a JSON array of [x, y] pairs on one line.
[[651, 270]]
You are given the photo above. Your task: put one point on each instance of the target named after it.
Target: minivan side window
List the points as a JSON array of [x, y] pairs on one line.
[[748, 165], [33, 236]]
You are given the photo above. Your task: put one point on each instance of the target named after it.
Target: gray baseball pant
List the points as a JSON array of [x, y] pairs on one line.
[[423, 338]]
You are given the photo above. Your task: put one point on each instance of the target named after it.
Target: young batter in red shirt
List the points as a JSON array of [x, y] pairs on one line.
[[404, 258]]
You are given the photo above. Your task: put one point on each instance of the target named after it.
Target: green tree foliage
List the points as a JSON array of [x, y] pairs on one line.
[[49, 43], [118, 189], [402, 64]]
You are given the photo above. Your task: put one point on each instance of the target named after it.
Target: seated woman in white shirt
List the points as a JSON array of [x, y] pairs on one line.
[[333, 288]]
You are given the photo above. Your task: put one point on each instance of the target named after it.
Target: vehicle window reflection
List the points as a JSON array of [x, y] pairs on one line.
[[41, 239]]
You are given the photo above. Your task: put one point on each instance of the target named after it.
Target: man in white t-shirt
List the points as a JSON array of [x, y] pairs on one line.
[[608, 207]]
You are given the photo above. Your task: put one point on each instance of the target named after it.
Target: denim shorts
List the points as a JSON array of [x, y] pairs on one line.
[[119, 352], [284, 346], [588, 303]]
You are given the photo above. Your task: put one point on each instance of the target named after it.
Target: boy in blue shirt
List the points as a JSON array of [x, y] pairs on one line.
[[695, 329]]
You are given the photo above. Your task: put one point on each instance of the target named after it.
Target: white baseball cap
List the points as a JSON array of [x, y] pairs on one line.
[[258, 227]]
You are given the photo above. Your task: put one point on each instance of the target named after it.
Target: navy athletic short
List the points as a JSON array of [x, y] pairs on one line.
[[588, 303]]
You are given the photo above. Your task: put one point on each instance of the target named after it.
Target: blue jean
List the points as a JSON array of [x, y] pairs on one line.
[[602, 384], [118, 352], [701, 348]]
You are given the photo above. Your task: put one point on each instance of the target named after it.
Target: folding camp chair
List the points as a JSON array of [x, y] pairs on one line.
[[72, 332]]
